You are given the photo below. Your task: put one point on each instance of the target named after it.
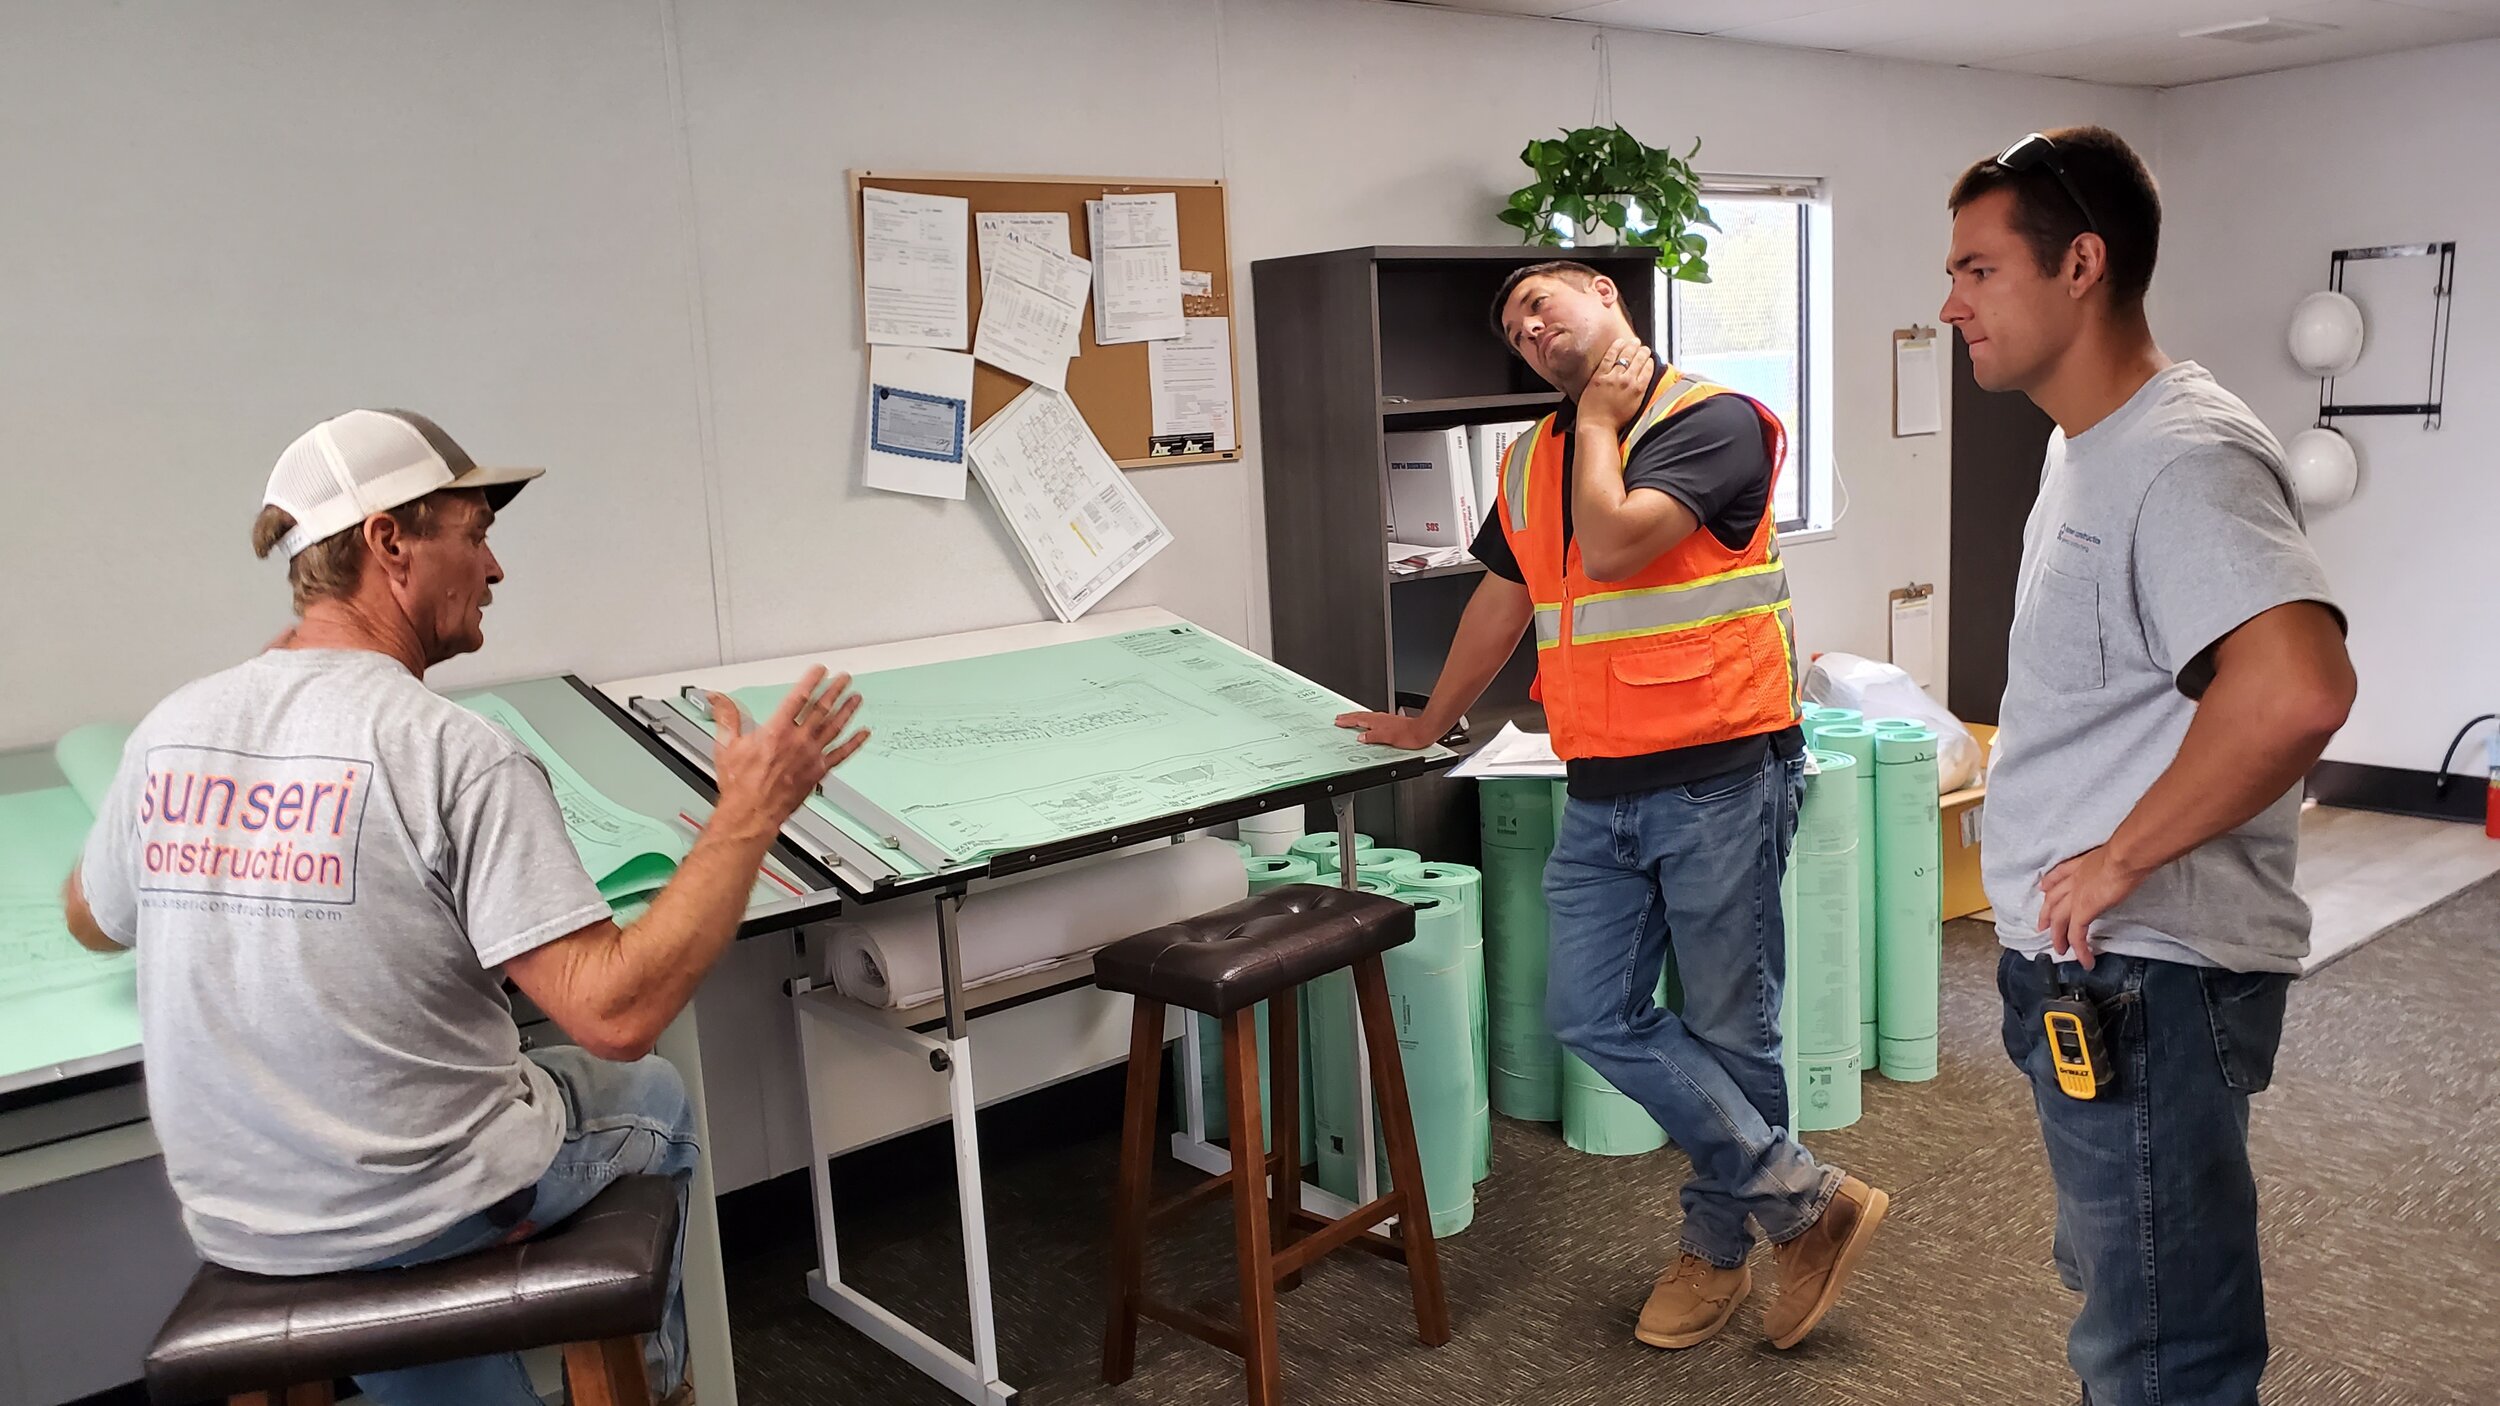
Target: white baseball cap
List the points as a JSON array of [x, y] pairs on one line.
[[351, 466]]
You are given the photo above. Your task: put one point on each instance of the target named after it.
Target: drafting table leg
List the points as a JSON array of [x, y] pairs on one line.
[[975, 1380], [1366, 1151], [706, 1287]]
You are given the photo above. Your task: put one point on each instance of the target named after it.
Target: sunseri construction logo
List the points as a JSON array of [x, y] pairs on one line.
[[232, 824], [2076, 537]]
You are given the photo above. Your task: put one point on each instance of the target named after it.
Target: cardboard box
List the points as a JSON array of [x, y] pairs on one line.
[[1961, 813]]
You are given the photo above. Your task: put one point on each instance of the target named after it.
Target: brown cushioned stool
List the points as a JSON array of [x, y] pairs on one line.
[[1224, 964], [593, 1285]]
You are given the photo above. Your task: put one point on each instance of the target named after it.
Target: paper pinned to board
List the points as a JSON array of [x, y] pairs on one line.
[[1081, 524], [1048, 228], [919, 413], [914, 282], [1032, 305], [1136, 241], [1190, 384], [1917, 396]]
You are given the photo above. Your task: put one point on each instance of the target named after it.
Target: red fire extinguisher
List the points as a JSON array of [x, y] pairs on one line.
[[2491, 766], [2491, 793]]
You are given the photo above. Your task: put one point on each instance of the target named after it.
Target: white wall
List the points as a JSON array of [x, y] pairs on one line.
[[2261, 179], [609, 237]]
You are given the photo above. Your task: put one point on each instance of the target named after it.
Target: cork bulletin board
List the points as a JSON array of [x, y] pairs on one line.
[[1108, 384]]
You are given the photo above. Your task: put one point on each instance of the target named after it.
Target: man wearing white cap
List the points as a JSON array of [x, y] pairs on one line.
[[328, 870]]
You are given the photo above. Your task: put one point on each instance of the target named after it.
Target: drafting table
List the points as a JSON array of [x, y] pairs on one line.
[[79, 1105], [879, 852]]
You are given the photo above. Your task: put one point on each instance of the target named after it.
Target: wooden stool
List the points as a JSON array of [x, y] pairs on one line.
[[1224, 964], [593, 1285]]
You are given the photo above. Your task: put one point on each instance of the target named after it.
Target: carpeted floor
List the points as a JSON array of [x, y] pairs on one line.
[[2378, 1151]]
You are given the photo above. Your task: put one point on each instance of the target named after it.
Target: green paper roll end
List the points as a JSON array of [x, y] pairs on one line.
[[1599, 1120], [1908, 1061], [1268, 871], [1321, 849], [1827, 1094], [1530, 1098]]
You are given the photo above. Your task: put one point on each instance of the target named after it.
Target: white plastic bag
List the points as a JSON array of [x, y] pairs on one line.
[[1882, 690]]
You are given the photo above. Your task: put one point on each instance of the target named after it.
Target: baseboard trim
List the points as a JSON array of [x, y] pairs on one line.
[[2397, 791]]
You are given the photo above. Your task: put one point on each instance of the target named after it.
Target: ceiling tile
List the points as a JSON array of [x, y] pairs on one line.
[[1695, 16], [1548, 8], [2131, 42], [1981, 32], [2097, 56], [1853, 26]]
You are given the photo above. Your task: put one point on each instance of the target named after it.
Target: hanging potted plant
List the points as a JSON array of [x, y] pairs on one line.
[[1614, 189]]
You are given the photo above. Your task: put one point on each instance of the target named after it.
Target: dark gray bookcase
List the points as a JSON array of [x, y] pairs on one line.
[[1352, 344]]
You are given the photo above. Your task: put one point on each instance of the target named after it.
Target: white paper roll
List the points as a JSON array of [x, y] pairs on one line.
[[1273, 832], [889, 958]]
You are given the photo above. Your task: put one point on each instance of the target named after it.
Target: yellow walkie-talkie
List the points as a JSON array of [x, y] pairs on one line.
[[2075, 1051]]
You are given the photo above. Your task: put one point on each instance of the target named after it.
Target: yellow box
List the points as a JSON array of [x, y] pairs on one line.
[[1960, 812]]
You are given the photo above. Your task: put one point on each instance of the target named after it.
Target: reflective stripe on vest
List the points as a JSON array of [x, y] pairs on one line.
[[1616, 615], [1515, 473]]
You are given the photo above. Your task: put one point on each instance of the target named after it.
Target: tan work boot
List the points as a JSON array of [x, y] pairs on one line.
[[1815, 1264], [1692, 1301]]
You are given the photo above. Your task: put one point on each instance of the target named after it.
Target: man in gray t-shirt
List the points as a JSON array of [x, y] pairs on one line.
[[328, 870], [2176, 667]]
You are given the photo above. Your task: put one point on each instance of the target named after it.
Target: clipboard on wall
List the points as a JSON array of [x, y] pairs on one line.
[[1917, 380], [1911, 624]]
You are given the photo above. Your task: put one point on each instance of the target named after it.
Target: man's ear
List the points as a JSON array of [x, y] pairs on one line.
[[1606, 291], [2087, 264], [386, 545]]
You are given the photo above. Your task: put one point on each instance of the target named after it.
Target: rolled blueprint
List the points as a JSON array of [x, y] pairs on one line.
[[1598, 1120], [1909, 938], [1824, 977], [1321, 849], [88, 757], [889, 958], [1467, 886], [1788, 991], [1265, 872], [1373, 859], [1858, 740], [1428, 995], [1524, 1065]]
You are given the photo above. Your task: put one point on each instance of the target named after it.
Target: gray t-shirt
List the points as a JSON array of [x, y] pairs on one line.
[[2157, 532], [322, 862]]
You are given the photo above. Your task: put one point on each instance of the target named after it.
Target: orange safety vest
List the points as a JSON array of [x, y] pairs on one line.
[[1697, 647]]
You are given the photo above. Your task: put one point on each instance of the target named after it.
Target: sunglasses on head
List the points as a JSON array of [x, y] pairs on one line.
[[2036, 150]]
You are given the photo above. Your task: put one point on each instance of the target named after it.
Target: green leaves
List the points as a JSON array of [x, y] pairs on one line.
[[1595, 177]]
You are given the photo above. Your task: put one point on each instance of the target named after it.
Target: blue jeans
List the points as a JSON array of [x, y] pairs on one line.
[[2156, 1205], [620, 1120], [1697, 866]]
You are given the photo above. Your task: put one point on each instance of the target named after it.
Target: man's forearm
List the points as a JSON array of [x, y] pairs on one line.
[[1488, 630], [80, 919], [2248, 744], [647, 972], [1597, 494]]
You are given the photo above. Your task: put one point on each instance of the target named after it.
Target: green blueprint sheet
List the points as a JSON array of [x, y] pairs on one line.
[[59, 1002], [1002, 751], [629, 854]]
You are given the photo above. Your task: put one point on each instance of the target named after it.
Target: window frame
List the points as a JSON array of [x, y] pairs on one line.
[[1803, 445]]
